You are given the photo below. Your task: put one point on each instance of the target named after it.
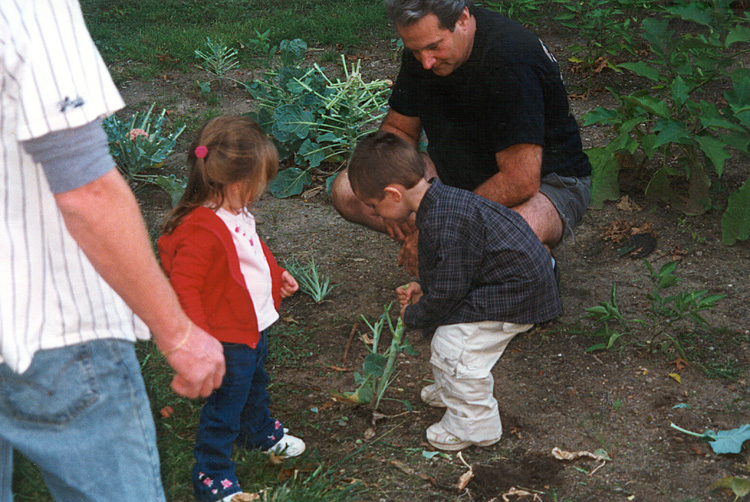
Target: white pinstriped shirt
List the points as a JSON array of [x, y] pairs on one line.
[[52, 78]]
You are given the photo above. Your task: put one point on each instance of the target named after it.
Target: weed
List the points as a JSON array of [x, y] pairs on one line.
[[309, 279], [218, 60], [686, 227], [289, 344], [663, 327]]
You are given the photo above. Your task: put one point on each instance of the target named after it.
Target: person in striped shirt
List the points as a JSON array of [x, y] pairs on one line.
[[80, 283]]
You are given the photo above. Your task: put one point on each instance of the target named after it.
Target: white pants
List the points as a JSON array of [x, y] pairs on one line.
[[463, 356]]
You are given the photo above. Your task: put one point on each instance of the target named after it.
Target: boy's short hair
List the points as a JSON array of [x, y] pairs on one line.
[[381, 159]]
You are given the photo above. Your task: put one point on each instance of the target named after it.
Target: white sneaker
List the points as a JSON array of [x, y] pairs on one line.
[[431, 395], [238, 497], [441, 439], [290, 446]]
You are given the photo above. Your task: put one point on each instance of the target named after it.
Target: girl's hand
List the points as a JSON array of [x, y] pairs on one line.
[[288, 284], [409, 294]]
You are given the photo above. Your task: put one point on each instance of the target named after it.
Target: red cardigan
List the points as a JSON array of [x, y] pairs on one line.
[[200, 259]]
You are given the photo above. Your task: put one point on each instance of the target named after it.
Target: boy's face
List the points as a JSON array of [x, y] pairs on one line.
[[391, 206]]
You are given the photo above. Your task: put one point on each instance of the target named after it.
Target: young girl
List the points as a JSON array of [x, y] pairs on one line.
[[230, 285]]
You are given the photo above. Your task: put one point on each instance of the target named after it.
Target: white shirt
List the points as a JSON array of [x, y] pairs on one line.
[[253, 264], [51, 78]]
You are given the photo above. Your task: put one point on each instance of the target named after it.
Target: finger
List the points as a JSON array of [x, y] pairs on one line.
[[207, 387], [182, 387]]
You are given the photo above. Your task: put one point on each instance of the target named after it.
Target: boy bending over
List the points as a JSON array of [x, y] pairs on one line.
[[483, 278]]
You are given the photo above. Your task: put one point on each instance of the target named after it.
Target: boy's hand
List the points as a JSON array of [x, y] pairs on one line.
[[409, 294], [288, 284]]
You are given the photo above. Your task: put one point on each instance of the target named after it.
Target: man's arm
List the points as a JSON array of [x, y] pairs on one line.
[[516, 185], [408, 128], [518, 177], [104, 218]]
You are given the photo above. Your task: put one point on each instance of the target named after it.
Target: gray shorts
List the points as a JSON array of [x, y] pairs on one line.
[[570, 196]]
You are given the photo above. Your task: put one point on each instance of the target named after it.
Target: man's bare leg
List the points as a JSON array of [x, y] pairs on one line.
[[543, 218]]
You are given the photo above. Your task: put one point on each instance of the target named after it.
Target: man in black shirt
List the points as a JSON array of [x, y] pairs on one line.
[[493, 106]]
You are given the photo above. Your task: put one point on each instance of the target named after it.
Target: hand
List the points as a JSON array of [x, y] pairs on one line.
[[288, 284], [199, 364], [407, 256], [409, 294], [399, 230]]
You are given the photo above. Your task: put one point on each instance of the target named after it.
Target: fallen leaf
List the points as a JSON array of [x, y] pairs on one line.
[[681, 364], [520, 493], [625, 204], [676, 377], [599, 455], [464, 480], [340, 369]]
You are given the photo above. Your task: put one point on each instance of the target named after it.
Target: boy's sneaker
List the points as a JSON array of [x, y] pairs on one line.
[[441, 439], [431, 396], [290, 446]]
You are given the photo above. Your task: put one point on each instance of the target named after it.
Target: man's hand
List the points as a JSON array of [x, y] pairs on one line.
[[407, 256], [199, 364]]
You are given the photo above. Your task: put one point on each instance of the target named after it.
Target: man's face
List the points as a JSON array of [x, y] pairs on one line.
[[439, 49]]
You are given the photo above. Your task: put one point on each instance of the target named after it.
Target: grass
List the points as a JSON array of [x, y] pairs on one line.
[[146, 38]]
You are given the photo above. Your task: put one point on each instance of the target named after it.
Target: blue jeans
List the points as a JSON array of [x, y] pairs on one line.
[[236, 412], [81, 414]]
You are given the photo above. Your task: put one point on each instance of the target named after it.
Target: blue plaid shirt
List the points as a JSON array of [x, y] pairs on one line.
[[479, 261]]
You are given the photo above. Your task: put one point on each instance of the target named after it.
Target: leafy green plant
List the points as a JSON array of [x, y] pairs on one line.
[[722, 441], [313, 117], [218, 59], [523, 11], [670, 128], [309, 279], [378, 369], [139, 145], [664, 325], [604, 31]]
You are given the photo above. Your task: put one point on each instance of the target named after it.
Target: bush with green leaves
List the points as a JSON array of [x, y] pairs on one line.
[[140, 145], [672, 131], [527, 12], [603, 31], [667, 319], [312, 117]]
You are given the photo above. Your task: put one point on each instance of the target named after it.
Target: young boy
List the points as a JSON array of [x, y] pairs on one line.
[[483, 278]]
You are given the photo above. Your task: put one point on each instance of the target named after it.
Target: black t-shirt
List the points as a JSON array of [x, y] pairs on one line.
[[509, 91]]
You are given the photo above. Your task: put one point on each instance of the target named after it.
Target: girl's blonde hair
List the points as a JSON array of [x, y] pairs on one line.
[[231, 149]]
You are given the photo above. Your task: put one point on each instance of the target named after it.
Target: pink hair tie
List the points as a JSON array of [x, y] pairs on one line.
[[201, 151]]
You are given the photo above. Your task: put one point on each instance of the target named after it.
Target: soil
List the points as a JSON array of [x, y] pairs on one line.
[[551, 392]]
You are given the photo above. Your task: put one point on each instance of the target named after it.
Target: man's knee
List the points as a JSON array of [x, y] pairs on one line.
[[341, 192]]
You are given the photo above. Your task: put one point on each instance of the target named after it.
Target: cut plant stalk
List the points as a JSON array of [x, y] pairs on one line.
[[378, 370]]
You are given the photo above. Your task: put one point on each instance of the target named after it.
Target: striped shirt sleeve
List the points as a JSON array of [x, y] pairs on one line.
[[65, 83]]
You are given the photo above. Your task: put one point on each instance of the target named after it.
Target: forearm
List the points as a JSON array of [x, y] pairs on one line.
[[518, 176], [104, 219], [407, 128]]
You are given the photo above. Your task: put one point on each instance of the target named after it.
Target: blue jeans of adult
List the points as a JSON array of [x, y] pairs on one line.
[[235, 412], [81, 414]]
